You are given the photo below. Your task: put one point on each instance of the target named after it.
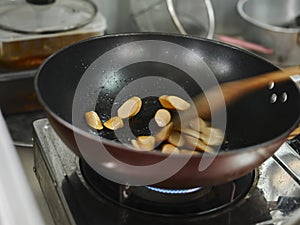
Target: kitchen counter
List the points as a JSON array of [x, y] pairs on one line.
[[26, 157]]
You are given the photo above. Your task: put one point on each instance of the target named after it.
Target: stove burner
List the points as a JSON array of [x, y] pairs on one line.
[[175, 191], [165, 202]]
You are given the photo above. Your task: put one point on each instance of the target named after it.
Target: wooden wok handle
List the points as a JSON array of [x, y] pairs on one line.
[[236, 89]]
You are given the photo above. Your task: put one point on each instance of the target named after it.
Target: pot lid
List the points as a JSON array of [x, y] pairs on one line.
[[45, 16]]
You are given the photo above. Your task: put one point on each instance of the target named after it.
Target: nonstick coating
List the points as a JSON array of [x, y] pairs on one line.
[[255, 127]]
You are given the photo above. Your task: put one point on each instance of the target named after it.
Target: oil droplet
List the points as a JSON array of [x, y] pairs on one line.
[[93, 132]]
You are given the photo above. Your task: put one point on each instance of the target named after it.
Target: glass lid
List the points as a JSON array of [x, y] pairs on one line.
[[45, 16]]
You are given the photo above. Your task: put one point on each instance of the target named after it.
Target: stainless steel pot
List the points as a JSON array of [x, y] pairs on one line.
[[272, 23]]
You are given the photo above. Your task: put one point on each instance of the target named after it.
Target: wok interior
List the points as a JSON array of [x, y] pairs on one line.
[[155, 85], [250, 121]]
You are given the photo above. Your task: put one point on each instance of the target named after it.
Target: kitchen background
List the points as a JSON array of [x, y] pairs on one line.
[[277, 41]]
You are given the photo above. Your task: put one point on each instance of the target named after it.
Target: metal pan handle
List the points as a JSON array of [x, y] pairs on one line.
[[176, 21]]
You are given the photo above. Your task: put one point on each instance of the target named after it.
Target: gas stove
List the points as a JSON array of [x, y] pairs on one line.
[[76, 194]]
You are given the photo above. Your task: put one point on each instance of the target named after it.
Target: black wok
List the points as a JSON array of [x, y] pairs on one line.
[[90, 75]]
